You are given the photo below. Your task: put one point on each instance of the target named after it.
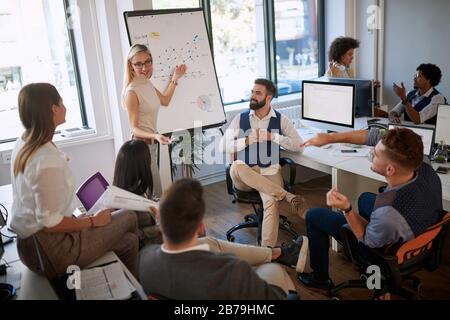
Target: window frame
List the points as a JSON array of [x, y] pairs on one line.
[[270, 40], [73, 51], [75, 62]]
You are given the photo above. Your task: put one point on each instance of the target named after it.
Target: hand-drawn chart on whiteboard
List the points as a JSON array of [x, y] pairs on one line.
[[176, 38]]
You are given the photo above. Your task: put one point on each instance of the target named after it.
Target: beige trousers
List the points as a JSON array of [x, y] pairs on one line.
[[258, 257], [270, 187], [83, 247]]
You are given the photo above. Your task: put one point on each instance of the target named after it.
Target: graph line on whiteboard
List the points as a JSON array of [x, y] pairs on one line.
[[171, 56]]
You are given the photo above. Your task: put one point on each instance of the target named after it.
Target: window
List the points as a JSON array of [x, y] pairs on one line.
[[238, 56], [296, 43], [171, 4], [35, 47], [247, 33]]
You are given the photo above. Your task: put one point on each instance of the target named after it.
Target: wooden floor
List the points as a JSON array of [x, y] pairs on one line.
[[222, 214]]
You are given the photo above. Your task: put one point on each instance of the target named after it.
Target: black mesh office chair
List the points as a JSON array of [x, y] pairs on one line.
[[254, 220]]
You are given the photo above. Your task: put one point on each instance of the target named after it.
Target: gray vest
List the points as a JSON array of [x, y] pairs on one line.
[[419, 202]]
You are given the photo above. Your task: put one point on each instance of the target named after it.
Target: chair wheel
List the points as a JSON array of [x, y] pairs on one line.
[[247, 219], [287, 224], [363, 277], [231, 238], [418, 286], [335, 297]]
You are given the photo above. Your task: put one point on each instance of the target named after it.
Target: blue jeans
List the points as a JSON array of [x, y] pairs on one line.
[[322, 223]]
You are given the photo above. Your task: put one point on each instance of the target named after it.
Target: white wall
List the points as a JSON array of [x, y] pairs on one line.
[[334, 22], [416, 31]]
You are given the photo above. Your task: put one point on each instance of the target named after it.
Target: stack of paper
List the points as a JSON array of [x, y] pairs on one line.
[[104, 283], [117, 198]]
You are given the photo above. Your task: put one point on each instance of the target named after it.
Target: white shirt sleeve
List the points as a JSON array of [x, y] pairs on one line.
[[51, 195], [230, 143], [290, 140], [431, 110], [399, 108]]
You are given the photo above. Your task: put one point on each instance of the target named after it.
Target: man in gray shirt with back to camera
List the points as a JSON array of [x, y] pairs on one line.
[[411, 202], [188, 267]]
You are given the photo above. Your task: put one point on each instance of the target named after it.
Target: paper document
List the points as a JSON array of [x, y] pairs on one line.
[[117, 198], [104, 283]]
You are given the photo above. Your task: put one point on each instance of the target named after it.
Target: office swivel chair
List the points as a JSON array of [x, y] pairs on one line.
[[91, 190], [397, 262], [254, 220], [57, 282]]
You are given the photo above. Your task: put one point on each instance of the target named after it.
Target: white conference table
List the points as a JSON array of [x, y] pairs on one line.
[[349, 174]]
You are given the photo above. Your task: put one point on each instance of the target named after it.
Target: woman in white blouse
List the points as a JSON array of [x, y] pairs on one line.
[[142, 101], [43, 192]]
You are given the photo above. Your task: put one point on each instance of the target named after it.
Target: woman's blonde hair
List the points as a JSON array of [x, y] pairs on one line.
[[36, 114], [129, 73]]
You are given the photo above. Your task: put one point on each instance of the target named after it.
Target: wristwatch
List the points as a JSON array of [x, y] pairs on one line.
[[345, 211], [405, 101]]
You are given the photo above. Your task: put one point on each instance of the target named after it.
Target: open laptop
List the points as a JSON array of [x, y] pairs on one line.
[[426, 133]]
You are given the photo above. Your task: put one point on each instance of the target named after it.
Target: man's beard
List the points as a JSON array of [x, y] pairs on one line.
[[256, 105]]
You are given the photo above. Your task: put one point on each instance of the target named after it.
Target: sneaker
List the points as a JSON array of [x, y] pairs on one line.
[[294, 254], [309, 281]]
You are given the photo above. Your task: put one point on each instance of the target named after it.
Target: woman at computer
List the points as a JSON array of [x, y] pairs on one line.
[[340, 57], [43, 191], [142, 101]]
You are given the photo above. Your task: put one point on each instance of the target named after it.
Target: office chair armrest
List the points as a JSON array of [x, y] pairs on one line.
[[228, 179], [348, 240], [352, 247], [292, 173]]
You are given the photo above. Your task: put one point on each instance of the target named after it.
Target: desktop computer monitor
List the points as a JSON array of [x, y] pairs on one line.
[[426, 133], [363, 94], [442, 125], [328, 105]]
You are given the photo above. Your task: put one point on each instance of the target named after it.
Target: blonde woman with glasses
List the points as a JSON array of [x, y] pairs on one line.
[[142, 101]]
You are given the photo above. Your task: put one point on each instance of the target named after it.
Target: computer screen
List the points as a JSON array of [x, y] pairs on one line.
[[442, 125], [426, 133], [363, 94], [328, 105]]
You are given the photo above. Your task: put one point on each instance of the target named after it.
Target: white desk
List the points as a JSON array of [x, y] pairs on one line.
[[350, 175]]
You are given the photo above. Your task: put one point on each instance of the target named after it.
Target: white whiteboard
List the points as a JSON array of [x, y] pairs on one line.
[[175, 38]]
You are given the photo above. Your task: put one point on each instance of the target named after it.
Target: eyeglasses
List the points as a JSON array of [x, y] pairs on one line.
[[417, 75], [140, 65]]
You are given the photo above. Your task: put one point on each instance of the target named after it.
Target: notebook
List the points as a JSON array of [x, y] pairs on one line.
[[117, 198], [104, 283]]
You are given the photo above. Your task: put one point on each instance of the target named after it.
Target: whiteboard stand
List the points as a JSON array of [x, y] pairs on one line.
[[165, 171]]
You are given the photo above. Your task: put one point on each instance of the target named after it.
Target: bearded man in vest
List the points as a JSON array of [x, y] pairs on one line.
[[253, 139]]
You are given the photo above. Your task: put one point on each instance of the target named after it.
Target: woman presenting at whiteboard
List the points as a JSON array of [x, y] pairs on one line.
[[142, 101]]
